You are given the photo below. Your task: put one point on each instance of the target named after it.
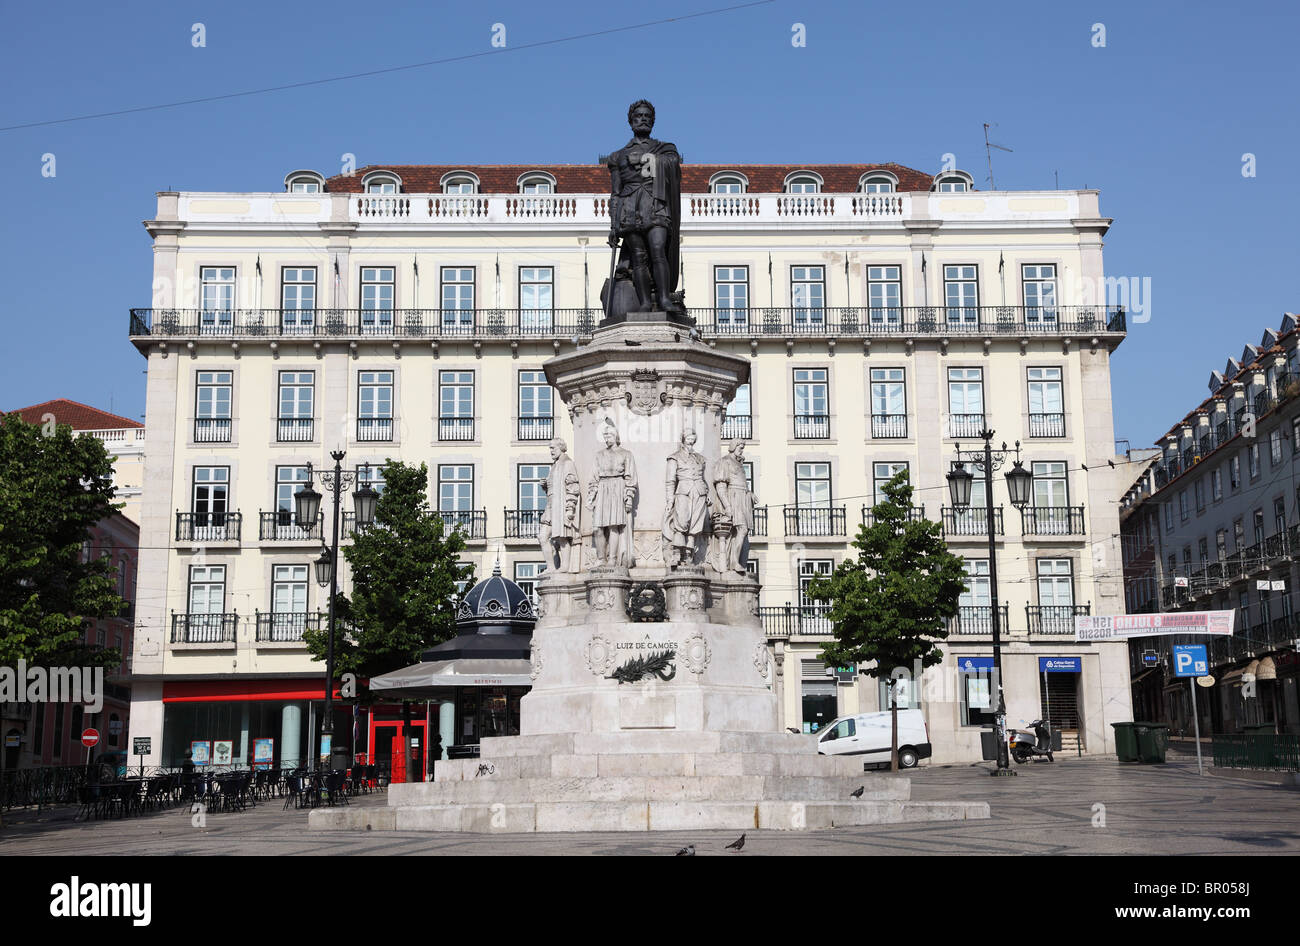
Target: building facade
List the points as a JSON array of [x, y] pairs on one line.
[[1213, 524], [406, 312]]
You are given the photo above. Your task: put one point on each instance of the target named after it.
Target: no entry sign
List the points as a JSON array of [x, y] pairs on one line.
[[90, 738]]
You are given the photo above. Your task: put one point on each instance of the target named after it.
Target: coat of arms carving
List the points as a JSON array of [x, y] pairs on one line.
[[645, 394]]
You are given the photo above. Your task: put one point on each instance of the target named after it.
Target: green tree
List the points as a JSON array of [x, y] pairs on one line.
[[404, 570], [891, 602], [53, 488]]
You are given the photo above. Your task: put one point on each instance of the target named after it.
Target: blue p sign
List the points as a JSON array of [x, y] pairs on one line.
[[1190, 660]]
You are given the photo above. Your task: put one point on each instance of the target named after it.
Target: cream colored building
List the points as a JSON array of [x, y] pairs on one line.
[[406, 312]]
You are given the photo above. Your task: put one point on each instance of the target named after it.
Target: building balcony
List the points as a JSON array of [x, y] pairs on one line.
[[815, 520], [523, 523], [1054, 618], [279, 526], [147, 324], [970, 521], [208, 526], [372, 429], [1052, 520], [810, 620], [294, 429], [812, 426], [978, 619], [737, 427], [285, 626], [760, 522], [212, 429], [536, 428], [472, 523], [1047, 425], [966, 426], [868, 519], [455, 428], [204, 628], [888, 426]]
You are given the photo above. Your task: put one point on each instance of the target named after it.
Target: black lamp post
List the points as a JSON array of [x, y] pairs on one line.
[[1019, 482], [306, 510]]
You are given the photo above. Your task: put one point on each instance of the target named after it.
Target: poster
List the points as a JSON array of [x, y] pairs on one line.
[[201, 752], [325, 749], [263, 752], [977, 693], [223, 752]]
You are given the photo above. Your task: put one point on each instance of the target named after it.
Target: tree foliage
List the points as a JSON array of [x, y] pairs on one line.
[[404, 572], [53, 488], [893, 601]]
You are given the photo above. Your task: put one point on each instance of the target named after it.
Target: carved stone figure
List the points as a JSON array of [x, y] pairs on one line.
[[610, 495], [558, 531], [686, 504], [645, 212], [733, 516]]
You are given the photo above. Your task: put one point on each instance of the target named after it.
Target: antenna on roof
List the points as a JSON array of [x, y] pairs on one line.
[[988, 146]]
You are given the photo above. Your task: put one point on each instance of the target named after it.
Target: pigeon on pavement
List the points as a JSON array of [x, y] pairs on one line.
[[857, 793], [688, 851], [736, 844]]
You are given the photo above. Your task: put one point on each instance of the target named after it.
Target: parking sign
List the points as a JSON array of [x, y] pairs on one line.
[[1191, 660]]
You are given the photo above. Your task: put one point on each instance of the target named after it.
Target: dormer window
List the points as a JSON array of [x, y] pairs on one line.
[[958, 182], [878, 184], [385, 182], [459, 182], [803, 184], [304, 182], [535, 183], [727, 184]]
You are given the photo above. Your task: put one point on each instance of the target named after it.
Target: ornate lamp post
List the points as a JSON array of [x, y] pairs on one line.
[[306, 510], [1019, 481]]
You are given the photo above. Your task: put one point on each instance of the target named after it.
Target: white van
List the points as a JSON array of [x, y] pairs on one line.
[[868, 735]]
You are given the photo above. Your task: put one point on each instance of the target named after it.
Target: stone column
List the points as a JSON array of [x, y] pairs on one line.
[[290, 731]]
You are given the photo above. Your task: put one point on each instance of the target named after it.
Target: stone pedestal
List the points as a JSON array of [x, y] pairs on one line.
[[607, 591], [687, 594]]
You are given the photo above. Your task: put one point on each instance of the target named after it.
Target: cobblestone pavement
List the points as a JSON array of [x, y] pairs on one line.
[[1047, 809]]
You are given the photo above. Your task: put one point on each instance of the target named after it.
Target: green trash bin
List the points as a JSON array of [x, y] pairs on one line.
[[1152, 741], [1126, 746]]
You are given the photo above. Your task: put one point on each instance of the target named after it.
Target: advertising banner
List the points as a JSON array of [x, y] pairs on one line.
[[1123, 626]]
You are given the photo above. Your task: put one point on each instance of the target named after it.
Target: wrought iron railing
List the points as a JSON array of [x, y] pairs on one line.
[[204, 628], [1052, 520], [471, 522], [1047, 425], [282, 626], [536, 428], [522, 523], [1256, 751], [914, 513], [212, 429], [814, 520], [791, 621], [887, 426], [455, 428], [280, 526], [978, 619], [371, 429], [208, 526], [737, 427], [972, 520], [294, 429], [812, 426], [760, 521], [1054, 618], [965, 425]]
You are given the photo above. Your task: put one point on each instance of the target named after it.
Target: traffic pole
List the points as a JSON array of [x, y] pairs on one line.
[[1196, 725]]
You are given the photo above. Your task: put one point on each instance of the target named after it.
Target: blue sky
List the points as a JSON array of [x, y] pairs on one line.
[[1158, 120]]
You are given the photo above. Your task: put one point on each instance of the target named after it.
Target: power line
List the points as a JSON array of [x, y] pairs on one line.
[[389, 69]]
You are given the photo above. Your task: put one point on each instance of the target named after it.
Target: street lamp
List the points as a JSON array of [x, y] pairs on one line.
[[1019, 483], [306, 504]]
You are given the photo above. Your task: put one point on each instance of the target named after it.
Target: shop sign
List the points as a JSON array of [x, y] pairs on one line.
[[1060, 664]]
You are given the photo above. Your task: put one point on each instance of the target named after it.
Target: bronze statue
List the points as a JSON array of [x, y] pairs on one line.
[[645, 212]]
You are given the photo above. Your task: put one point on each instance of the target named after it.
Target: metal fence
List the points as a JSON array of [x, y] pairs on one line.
[[1256, 751]]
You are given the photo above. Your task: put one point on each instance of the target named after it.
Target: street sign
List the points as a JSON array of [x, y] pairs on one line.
[[1060, 664], [90, 738], [1191, 660], [141, 745]]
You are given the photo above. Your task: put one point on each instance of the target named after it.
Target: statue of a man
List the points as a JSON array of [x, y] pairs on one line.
[[645, 210], [734, 516], [686, 504], [610, 496], [558, 530]]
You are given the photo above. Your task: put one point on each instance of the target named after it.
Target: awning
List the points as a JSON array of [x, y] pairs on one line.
[[418, 680]]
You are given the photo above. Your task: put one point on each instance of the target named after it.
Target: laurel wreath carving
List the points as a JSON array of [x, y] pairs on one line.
[[651, 665]]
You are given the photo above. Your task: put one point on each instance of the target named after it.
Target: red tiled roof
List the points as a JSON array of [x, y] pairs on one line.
[[593, 179], [76, 415]]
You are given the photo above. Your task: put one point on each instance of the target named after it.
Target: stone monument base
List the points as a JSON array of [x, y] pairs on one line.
[[646, 781]]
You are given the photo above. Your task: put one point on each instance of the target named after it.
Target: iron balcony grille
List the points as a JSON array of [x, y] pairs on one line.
[[455, 428], [978, 619], [523, 523], [815, 520], [374, 428], [737, 427], [204, 628], [560, 324], [965, 425], [970, 521], [810, 620], [283, 626], [1047, 425], [888, 426], [869, 519], [471, 522], [294, 429], [212, 430], [1276, 547], [1052, 520], [280, 526], [760, 521], [812, 426], [1054, 618], [349, 525], [208, 526], [536, 428]]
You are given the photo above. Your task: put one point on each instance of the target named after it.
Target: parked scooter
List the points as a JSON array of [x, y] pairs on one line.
[[1030, 744]]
